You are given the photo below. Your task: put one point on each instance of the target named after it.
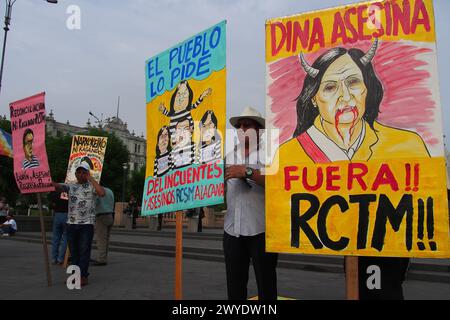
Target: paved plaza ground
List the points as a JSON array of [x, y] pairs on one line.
[[138, 276]]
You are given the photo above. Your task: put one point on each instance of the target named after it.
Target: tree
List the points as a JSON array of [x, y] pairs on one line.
[[58, 152], [136, 185]]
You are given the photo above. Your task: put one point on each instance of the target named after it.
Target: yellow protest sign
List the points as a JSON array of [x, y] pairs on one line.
[[359, 167]]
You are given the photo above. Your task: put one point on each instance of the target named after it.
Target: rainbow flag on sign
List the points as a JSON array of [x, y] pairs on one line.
[[5, 144]]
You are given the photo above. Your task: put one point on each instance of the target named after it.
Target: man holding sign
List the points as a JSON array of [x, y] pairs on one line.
[[244, 224], [81, 217]]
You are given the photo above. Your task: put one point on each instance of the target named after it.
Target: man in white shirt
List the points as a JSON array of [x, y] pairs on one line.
[[9, 227], [81, 216], [244, 225]]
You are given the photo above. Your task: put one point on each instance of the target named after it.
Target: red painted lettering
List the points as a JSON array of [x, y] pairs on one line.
[[401, 17], [420, 10], [319, 180], [276, 47], [362, 20], [317, 36], [332, 177], [301, 35], [349, 25], [358, 176], [288, 177], [385, 177], [338, 29]]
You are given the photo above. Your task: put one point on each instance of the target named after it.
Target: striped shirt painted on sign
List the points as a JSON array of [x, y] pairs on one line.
[[177, 116], [210, 153], [163, 164], [30, 164], [184, 156]]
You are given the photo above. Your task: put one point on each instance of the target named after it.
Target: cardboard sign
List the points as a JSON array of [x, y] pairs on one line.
[[185, 89], [359, 168], [31, 168], [89, 149]]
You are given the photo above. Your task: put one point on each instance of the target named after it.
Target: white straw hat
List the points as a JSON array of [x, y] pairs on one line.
[[249, 113]]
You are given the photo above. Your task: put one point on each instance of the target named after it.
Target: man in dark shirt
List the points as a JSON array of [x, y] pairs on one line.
[[392, 273], [59, 238]]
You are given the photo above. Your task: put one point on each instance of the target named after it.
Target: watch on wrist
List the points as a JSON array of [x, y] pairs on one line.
[[248, 172]]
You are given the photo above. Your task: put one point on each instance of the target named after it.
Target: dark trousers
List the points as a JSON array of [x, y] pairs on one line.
[[134, 221], [80, 238], [7, 229], [59, 236], [160, 221], [199, 225], [238, 252], [392, 272]]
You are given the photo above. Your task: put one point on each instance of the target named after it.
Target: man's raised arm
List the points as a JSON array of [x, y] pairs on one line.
[[59, 187], [99, 190]]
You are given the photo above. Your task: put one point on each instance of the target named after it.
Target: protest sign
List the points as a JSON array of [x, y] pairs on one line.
[[89, 149], [185, 90], [359, 168], [31, 169]]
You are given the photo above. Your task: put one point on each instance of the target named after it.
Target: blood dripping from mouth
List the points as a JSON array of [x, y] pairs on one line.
[[340, 112]]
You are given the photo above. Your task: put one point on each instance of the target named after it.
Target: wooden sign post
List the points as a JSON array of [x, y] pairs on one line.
[[66, 258], [44, 241], [179, 257], [351, 278]]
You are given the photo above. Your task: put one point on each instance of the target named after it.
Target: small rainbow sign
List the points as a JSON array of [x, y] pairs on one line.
[[5, 144]]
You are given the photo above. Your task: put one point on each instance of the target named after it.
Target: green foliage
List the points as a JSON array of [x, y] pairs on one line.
[[136, 184], [58, 152]]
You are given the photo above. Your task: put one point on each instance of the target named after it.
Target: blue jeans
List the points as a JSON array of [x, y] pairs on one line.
[[80, 242], [7, 229], [59, 239]]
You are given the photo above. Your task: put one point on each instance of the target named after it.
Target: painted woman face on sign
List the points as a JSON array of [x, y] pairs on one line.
[[181, 97], [163, 140], [341, 97], [340, 90], [208, 127], [183, 134]]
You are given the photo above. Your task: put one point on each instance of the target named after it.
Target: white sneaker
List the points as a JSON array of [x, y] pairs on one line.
[[5, 235]]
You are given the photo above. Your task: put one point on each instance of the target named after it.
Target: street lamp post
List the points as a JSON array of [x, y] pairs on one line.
[[125, 167], [9, 5], [99, 121]]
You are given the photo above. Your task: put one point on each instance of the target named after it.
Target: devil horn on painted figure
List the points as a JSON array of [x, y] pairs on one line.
[[370, 54], [313, 72]]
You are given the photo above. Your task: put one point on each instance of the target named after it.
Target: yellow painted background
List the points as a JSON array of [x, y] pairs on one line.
[[327, 19], [216, 102], [431, 183]]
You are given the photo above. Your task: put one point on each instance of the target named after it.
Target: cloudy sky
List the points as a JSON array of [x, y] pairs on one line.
[[87, 69]]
